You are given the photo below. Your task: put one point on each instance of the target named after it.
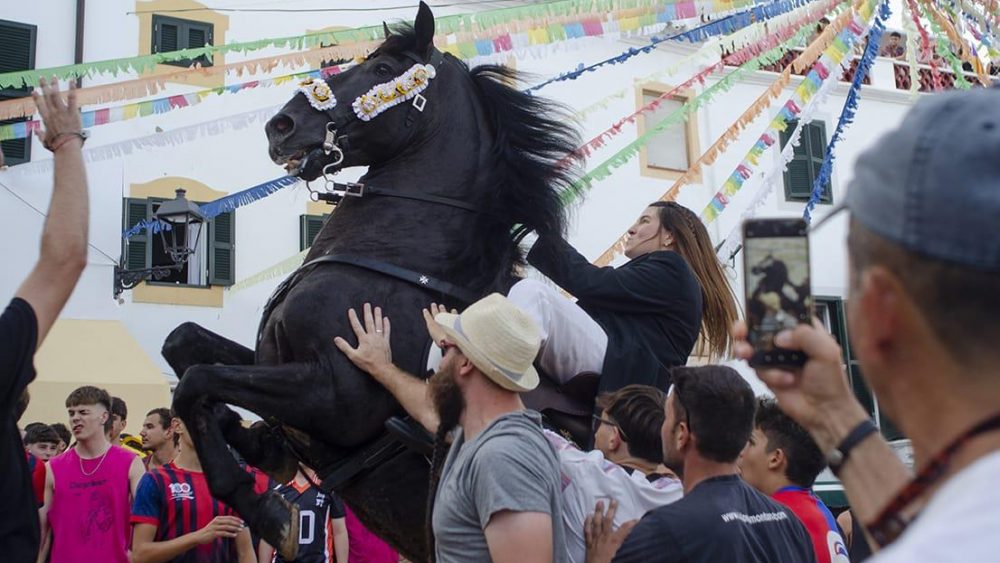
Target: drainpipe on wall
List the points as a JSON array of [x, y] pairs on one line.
[[81, 9]]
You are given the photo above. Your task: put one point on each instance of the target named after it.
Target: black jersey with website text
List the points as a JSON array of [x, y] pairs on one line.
[[19, 533], [317, 510], [721, 519]]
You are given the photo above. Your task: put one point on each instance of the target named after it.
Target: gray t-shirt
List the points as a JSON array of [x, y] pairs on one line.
[[508, 466]]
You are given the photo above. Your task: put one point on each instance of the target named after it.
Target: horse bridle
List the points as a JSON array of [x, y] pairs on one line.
[[335, 144]]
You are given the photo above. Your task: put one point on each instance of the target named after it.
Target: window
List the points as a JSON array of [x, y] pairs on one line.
[[669, 153], [17, 52], [174, 34], [830, 311], [806, 162], [309, 227], [212, 262]]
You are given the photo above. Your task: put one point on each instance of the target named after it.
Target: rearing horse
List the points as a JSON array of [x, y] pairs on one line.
[[452, 170]]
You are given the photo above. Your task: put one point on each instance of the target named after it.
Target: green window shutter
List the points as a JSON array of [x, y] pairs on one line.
[[137, 249], [806, 162], [221, 249], [174, 34], [817, 153], [309, 228], [167, 37], [17, 52], [199, 35]]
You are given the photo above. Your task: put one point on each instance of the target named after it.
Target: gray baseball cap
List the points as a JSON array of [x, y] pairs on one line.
[[932, 185]]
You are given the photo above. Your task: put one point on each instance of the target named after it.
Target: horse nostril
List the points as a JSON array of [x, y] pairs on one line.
[[281, 123]]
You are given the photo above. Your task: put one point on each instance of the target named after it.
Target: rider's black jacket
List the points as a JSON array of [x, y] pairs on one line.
[[650, 308]]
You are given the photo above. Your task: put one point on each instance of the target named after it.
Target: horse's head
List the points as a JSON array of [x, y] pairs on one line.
[[364, 115]]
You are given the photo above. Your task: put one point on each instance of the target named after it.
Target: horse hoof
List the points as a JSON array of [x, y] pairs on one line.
[[277, 521]]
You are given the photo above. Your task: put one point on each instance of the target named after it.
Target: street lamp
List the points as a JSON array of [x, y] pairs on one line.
[[181, 223]]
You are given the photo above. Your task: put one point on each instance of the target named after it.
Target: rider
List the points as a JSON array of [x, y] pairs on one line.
[[632, 323]]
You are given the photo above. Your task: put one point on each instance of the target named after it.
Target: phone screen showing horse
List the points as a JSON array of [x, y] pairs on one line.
[[776, 276]]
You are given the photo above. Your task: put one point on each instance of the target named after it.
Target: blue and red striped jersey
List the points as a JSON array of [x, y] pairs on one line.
[[178, 502]]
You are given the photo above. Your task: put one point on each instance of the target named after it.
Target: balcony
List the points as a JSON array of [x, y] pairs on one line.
[[890, 74]]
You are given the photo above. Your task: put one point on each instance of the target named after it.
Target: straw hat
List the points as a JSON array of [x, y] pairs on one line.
[[498, 338]]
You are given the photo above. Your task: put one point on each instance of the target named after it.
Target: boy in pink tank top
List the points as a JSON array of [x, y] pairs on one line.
[[89, 488]]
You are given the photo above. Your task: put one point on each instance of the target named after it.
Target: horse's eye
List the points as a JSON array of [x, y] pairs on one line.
[[383, 69]]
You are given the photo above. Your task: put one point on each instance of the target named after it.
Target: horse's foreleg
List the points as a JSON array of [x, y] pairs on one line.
[[261, 445], [270, 391], [190, 344]]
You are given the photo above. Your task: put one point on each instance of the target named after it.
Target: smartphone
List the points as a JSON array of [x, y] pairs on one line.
[[776, 278]]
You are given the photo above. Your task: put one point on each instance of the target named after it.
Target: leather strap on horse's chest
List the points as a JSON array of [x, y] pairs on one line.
[[384, 448], [416, 278], [359, 190]]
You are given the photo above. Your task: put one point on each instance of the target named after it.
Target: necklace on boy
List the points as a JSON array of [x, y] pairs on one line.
[[96, 469]]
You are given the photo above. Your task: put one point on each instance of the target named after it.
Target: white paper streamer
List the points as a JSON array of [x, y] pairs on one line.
[[173, 137]]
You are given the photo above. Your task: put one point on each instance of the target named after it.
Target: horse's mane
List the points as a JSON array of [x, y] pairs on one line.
[[531, 135]]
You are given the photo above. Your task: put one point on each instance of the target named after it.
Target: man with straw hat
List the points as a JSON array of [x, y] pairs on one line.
[[497, 495]]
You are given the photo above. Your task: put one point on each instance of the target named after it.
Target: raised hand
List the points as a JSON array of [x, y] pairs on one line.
[[373, 351], [434, 329], [818, 395], [600, 534], [61, 119]]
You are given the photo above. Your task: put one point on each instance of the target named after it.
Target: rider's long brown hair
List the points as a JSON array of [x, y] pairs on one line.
[[718, 302]]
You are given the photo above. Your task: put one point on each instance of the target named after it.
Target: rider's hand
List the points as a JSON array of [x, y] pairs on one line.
[[818, 396], [220, 527], [59, 117], [373, 352], [433, 328], [599, 532]]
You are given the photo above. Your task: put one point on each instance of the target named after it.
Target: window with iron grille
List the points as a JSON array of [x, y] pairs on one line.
[[17, 52], [806, 162], [309, 227], [213, 262], [174, 34]]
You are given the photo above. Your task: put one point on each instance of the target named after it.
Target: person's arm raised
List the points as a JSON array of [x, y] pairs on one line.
[[645, 284], [64, 237], [819, 397], [373, 355]]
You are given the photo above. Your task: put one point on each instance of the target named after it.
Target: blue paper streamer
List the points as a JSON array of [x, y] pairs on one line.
[[222, 205], [850, 107], [724, 26]]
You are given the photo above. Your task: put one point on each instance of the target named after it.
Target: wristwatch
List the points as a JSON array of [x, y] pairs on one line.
[[838, 456]]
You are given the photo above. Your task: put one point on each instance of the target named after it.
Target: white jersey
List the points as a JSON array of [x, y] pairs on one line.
[[588, 477]]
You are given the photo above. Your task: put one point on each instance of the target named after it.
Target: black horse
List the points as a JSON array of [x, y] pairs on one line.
[[451, 173]]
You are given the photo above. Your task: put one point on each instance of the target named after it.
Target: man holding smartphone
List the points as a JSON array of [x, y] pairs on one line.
[[924, 319]]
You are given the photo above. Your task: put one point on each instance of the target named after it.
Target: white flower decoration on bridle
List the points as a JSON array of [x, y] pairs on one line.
[[318, 93], [398, 90]]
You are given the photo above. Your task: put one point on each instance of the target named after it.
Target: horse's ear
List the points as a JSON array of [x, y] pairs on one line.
[[385, 30], [424, 28]]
